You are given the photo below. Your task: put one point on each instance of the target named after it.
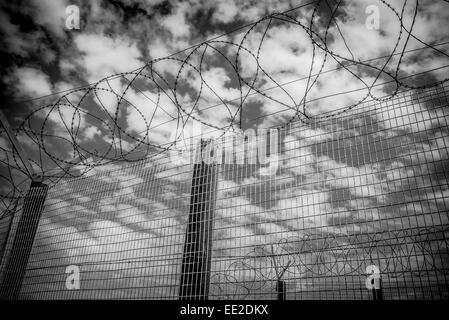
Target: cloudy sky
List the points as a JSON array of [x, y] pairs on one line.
[[41, 57], [138, 98]]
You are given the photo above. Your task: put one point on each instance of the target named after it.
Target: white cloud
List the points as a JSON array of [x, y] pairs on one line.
[[150, 110], [298, 156], [304, 208], [32, 82], [176, 23], [103, 56], [51, 14], [313, 135], [226, 11], [362, 181], [91, 132]]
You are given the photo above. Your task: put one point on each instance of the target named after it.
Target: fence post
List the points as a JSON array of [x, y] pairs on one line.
[[377, 291], [23, 241], [280, 289], [196, 260]]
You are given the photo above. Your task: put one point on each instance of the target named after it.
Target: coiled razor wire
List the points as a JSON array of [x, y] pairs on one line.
[[398, 254], [74, 108]]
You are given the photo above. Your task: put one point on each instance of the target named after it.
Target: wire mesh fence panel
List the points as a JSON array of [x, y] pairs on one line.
[[365, 192], [121, 229], [334, 207]]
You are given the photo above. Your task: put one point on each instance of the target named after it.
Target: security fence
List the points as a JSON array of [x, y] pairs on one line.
[[350, 205]]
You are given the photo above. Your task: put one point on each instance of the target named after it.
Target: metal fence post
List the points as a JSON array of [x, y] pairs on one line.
[[23, 241], [196, 260], [280, 289], [377, 291]]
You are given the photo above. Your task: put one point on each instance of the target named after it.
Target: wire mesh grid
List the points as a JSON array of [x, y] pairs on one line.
[[366, 188]]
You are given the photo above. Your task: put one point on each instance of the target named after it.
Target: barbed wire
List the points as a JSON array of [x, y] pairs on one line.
[[399, 254], [179, 90]]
